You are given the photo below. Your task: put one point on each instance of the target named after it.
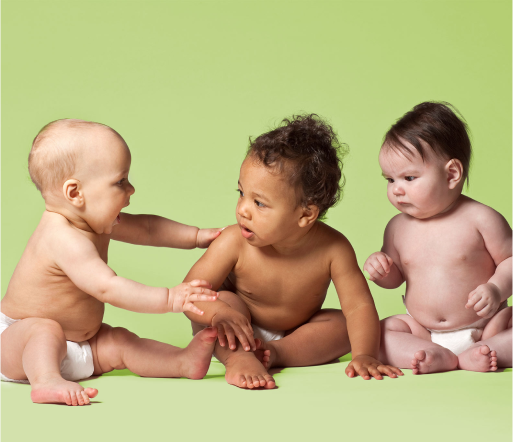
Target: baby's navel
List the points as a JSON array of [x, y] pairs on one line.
[[443, 320]]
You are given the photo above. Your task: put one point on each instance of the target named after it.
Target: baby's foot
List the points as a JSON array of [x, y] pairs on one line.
[[433, 360], [60, 391], [266, 354], [244, 370], [479, 358], [198, 354]]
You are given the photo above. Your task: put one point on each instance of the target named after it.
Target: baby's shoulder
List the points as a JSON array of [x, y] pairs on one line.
[[330, 238], [228, 241], [480, 213]]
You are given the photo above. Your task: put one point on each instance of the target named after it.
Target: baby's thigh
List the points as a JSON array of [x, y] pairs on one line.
[[500, 322], [404, 324], [39, 331]]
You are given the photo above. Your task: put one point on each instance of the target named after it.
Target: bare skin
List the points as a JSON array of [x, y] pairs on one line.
[[455, 256], [59, 287], [273, 270]]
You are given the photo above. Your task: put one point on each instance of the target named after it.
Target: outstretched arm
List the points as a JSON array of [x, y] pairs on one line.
[[361, 316], [496, 232], [156, 231], [79, 260]]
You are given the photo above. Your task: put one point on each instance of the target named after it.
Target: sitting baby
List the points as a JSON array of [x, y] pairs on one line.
[[274, 267], [51, 321], [453, 252]]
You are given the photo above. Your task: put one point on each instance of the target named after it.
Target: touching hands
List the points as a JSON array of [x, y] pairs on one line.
[[367, 367], [182, 296], [232, 325], [206, 236], [378, 266], [485, 300]]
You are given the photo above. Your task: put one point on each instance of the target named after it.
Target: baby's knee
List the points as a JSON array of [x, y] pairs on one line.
[[120, 336], [46, 327], [394, 323]]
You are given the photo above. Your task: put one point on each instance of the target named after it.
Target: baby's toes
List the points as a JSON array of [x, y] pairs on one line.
[[80, 399], [74, 400], [86, 398]]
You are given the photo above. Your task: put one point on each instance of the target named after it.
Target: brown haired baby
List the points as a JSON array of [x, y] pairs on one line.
[[274, 267], [453, 252], [51, 320]]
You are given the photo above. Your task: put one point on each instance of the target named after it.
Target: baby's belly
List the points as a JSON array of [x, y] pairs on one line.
[[440, 306], [79, 322], [282, 317]]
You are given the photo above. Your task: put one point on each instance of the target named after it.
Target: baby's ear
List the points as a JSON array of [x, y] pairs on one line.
[[72, 191], [454, 170], [309, 214]]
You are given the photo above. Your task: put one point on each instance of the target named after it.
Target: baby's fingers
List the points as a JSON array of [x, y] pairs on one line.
[[200, 283], [382, 259], [375, 373], [376, 270], [208, 296], [391, 372], [473, 298], [363, 372], [190, 307], [221, 336], [350, 371]]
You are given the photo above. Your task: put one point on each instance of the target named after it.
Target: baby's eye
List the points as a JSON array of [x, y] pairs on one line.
[[121, 182], [409, 178], [259, 204], [241, 193], [390, 180]]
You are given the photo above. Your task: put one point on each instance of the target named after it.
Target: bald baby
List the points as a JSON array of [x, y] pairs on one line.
[[51, 324]]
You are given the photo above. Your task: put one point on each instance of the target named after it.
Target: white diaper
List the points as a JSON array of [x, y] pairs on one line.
[[266, 335], [77, 364], [458, 340], [461, 339]]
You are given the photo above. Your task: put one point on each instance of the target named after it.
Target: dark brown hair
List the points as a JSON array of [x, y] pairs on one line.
[[440, 125], [307, 149]]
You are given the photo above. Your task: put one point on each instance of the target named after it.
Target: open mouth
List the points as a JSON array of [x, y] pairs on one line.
[[117, 220], [246, 233]]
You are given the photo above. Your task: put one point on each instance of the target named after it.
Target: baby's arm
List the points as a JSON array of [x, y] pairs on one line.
[[496, 232], [156, 231], [361, 316], [381, 266], [215, 265], [79, 260]]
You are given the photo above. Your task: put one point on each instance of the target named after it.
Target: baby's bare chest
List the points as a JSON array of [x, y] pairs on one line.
[[440, 245], [281, 281]]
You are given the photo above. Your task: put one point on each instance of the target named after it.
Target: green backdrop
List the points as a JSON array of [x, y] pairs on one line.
[[186, 83]]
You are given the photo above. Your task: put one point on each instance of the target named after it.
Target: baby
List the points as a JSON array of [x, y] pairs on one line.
[[274, 267], [453, 252], [51, 320]]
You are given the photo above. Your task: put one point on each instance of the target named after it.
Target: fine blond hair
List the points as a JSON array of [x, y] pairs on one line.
[[54, 152]]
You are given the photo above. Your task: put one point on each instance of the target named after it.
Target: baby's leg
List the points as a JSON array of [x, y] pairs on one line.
[[33, 349], [407, 344], [243, 369], [118, 348], [322, 339], [494, 349]]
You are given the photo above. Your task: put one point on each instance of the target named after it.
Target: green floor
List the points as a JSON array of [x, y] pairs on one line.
[[312, 403]]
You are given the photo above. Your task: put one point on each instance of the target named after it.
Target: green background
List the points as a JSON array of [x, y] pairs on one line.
[[186, 84]]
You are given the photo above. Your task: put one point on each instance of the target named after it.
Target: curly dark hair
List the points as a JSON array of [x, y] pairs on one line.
[[307, 149]]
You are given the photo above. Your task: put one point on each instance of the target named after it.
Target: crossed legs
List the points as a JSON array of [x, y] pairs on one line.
[[321, 339], [407, 344]]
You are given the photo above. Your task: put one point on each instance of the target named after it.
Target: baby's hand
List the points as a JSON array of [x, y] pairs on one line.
[[182, 296], [232, 324], [485, 300], [367, 367], [206, 236], [377, 266]]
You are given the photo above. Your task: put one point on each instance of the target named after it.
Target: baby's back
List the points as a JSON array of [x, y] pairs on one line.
[[40, 289], [443, 259]]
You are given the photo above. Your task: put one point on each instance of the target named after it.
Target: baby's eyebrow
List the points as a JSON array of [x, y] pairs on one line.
[[257, 195]]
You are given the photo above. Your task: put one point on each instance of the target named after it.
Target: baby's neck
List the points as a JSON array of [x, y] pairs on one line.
[[296, 242]]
